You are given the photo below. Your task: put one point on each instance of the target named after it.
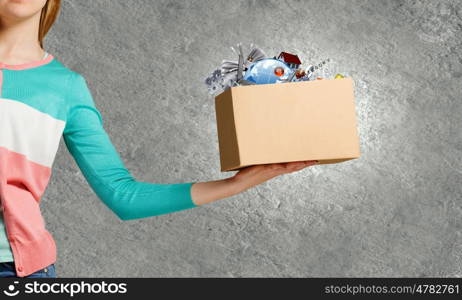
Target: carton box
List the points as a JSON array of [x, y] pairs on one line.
[[284, 122]]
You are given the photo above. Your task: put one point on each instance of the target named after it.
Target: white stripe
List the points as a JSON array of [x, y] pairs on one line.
[[30, 132]]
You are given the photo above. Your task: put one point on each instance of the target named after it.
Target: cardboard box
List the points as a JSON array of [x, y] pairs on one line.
[[284, 122]]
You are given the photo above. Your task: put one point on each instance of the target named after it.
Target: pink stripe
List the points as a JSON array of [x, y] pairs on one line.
[[27, 65], [27, 177], [22, 184]]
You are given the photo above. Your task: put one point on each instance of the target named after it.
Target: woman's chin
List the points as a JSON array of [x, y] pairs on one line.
[[20, 9]]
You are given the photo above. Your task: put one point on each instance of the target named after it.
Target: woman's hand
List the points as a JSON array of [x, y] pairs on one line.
[[254, 175], [205, 192]]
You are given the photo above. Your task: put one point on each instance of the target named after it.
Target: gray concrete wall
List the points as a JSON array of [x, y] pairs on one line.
[[395, 212]]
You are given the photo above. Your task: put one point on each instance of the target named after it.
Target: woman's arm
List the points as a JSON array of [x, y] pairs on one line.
[[100, 163], [104, 170], [206, 192]]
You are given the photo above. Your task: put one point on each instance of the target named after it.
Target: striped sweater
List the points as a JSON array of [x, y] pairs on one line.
[[40, 102]]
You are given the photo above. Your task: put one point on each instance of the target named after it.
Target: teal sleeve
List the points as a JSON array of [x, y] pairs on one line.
[[101, 165]]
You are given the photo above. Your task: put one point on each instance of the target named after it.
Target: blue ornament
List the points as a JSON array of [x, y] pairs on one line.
[[268, 70]]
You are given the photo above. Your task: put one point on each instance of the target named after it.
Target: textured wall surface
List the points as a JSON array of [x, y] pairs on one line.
[[397, 211]]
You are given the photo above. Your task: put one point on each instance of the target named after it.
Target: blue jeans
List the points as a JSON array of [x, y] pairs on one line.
[[7, 269]]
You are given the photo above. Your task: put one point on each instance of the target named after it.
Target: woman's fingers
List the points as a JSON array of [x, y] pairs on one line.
[[284, 168], [305, 165], [277, 166], [298, 165], [265, 172], [254, 175]]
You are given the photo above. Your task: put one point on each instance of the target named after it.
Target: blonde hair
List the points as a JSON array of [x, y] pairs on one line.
[[47, 18]]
